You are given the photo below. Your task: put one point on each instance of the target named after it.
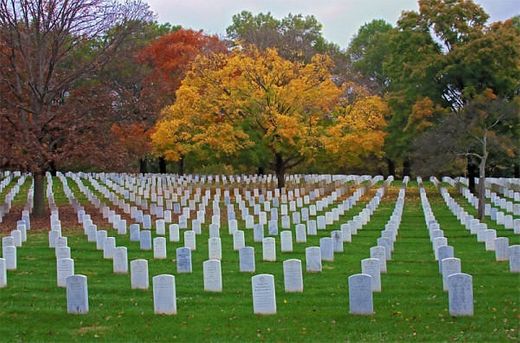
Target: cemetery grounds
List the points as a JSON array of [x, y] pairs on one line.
[[412, 305]]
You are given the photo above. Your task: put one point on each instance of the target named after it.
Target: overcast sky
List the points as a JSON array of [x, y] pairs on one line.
[[340, 18]]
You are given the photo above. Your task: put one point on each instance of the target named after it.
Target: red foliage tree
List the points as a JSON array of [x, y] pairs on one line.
[[51, 109]]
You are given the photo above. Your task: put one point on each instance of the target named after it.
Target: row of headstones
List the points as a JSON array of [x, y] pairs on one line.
[[164, 292], [187, 262], [149, 220], [134, 230], [131, 182], [362, 286], [458, 285], [15, 240], [500, 245], [497, 216], [5, 208], [504, 204], [183, 220], [159, 243], [505, 187], [160, 229], [313, 254], [157, 195], [214, 245]]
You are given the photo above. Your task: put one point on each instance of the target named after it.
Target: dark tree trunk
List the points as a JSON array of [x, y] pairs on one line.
[[39, 195], [472, 173], [406, 168], [516, 172], [261, 170], [279, 169], [143, 166], [52, 168], [391, 166], [181, 166], [162, 165]]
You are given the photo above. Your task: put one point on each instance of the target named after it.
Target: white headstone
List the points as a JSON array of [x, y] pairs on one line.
[[269, 249], [247, 259], [159, 248], [101, 235], [450, 265], [120, 260], [160, 228], [184, 264], [502, 249], [64, 269], [301, 233], [238, 240], [164, 297], [313, 259], [327, 249], [264, 296], [292, 275], [212, 275], [174, 233], [139, 274], [3, 273], [109, 248], [514, 258], [286, 241], [460, 294], [10, 257], [444, 252], [190, 240], [360, 294], [379, 253], [77, 294], [145, 240], [214, 248], [371, 266]]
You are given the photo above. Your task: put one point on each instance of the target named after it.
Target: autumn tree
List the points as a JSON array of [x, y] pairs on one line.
[[357, 131], [167, 58], [137, 98], [435, 61], [48, 107], [255, 98]]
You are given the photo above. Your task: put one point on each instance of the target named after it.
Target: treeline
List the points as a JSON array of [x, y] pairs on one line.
[[102, 86]]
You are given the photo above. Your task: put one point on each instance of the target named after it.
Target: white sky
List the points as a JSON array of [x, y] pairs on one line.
[[340, 18]]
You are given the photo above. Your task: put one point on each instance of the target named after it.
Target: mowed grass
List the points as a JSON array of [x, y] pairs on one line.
[[411, 307]]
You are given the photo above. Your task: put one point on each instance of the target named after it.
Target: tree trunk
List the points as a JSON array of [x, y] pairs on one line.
[[391, 167], [52, 168], [279, 169], [143, 166], [181, 165], [261, 171], [162, 165], [39, 195], [471, 169], [516, 172], [406, 168], [481, 188]]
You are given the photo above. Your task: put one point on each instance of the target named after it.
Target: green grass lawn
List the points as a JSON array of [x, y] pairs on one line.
[[412, 305]]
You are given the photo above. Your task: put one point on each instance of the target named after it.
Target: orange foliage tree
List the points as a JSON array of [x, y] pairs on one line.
[[251, 100], [166, 59]]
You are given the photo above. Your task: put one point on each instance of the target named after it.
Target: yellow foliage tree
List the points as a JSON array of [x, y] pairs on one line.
[[259, 102], [357, 131], [249, 99]]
